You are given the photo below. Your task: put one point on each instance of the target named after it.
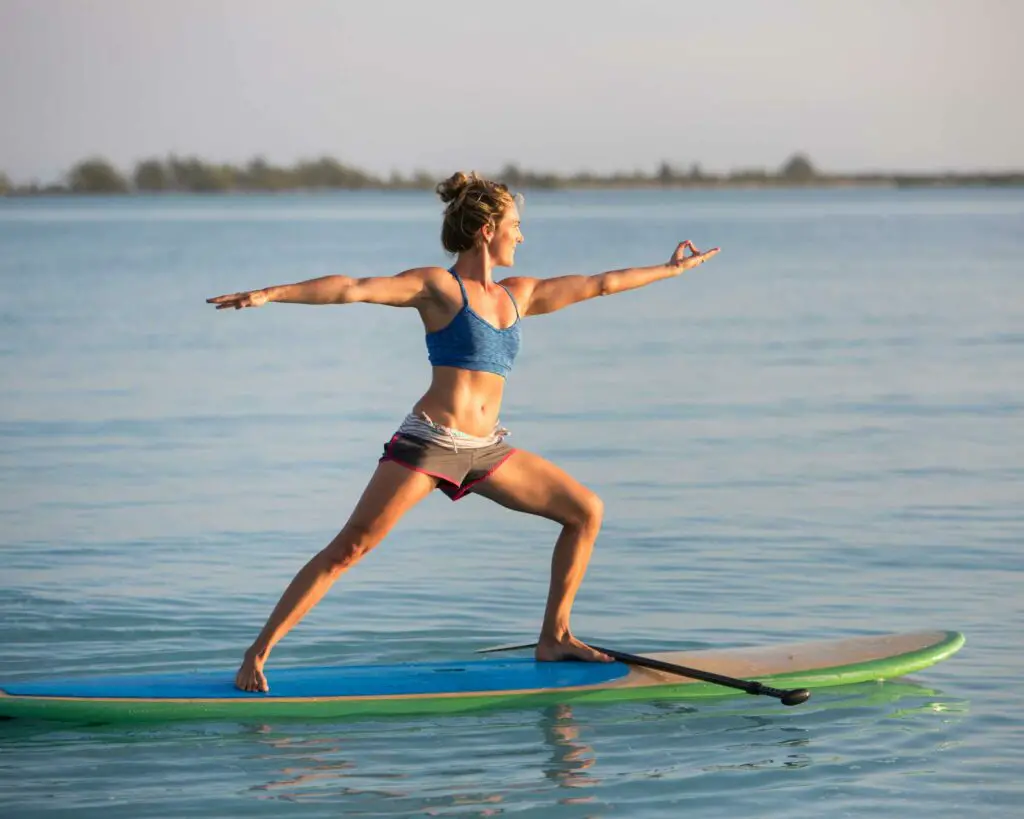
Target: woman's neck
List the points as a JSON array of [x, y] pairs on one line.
[[476, 266]]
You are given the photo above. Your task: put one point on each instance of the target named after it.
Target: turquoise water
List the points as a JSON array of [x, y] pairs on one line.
[[817, 434]]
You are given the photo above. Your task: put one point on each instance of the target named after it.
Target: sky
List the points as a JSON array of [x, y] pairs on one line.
[[551, 85]]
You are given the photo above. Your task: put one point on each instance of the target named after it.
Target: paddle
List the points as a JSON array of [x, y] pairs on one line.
[[792, 696]]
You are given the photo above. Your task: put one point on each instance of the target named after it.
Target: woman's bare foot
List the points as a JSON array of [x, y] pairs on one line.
[[551, 649], [250, 676]]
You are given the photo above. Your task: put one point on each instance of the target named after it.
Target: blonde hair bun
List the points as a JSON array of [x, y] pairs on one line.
[[455, 185], [472, 202]]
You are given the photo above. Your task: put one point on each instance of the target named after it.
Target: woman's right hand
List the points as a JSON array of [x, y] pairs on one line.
[[696, 257], [251, 298]]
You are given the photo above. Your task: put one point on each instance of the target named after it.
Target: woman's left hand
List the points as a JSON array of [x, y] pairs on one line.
[[696, 257]]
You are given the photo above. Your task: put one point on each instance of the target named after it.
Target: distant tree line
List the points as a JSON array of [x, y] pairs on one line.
[[192, 175]]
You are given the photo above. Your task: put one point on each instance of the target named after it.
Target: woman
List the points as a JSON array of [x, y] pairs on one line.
[[452, 438]]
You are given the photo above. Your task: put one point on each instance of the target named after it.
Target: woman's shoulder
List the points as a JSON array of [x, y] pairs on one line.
[[433, 277], [427, 273], [519, 285]]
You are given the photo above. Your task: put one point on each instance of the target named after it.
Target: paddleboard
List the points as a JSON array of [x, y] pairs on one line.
[[434, 688]]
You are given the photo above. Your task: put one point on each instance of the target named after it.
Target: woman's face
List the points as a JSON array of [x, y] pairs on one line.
[[502, 244]]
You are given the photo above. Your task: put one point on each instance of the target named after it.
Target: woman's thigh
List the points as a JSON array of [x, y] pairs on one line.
[[529, 483], [391, 492]]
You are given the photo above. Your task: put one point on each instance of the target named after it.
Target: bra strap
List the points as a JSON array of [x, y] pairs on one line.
[[513, 298], [462, 287]]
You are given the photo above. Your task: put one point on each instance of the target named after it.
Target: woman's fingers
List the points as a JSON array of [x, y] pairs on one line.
[[695, 258], [238, 300], [226, 302], [700, 258]]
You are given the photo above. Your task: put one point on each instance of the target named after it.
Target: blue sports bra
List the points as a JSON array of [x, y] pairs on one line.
[[472, 343]]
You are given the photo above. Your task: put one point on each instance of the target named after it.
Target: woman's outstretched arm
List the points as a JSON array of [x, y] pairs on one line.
[[406, 289], [537, 296]]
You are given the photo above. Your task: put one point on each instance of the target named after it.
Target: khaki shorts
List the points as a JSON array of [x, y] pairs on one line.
[[458, 471]]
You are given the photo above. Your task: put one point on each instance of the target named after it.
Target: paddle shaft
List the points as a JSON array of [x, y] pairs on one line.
[[791, 696]]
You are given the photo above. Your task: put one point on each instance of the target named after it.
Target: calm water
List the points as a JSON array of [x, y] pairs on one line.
[[817, 434]]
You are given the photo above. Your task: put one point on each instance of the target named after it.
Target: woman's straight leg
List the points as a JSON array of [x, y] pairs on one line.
[[392, 491]]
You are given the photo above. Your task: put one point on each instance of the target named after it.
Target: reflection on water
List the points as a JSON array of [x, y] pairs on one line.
[[322, 769], [571, 757], [473, 766]]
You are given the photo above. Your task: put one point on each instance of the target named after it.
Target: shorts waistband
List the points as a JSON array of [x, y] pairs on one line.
[[420, 426]]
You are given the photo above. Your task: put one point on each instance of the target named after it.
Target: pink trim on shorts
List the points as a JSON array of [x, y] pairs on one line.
[[464, 489]]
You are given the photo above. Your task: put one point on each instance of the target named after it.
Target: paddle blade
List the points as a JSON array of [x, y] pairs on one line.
[[795, 696]]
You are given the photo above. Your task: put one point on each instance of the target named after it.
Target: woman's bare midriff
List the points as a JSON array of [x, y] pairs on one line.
[[466, 400]]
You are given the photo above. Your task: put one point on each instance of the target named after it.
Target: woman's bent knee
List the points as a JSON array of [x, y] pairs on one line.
[[588, 512]]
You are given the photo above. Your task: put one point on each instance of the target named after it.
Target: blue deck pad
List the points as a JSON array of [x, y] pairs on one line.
[[337, 681]]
